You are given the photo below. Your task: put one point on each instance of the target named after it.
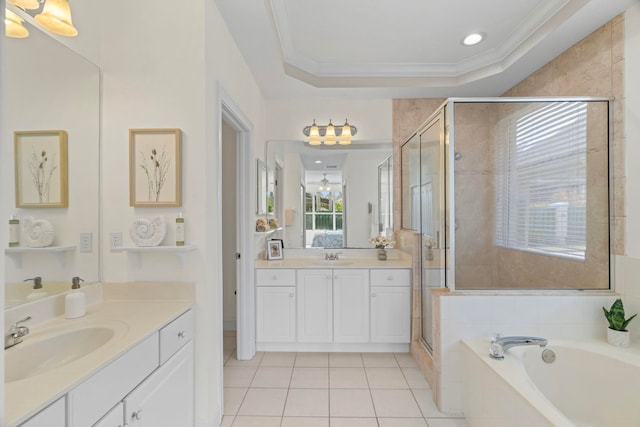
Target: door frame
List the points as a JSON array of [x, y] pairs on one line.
[[230, 113]]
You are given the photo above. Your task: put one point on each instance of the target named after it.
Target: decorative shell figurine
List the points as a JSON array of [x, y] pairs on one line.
[[37, 233], [148, 231]]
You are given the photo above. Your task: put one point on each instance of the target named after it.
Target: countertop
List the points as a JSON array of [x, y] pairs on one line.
[[135, 320], [345, 262]]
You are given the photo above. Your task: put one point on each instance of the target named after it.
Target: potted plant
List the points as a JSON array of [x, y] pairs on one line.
[[381, 242], [617, 333]]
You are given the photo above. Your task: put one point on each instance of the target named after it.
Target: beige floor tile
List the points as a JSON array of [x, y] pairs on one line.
[[414, 378], [348, 378], [304, 422], [239, 376], [232, 399], [278, 358], [229, 343], [264, 402], [354, 422], [386, 378], [402, 422], [272, 377], [345, 360], [351, 403], [447, 422], [379, 360], [395, 403], [226, 354], [426, 404], [312, 360], [307, 403], [252, 421], [310, 378], [405, 360], [227, 420], [233, 360]]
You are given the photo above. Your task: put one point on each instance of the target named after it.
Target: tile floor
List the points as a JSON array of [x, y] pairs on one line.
[[327, 389]]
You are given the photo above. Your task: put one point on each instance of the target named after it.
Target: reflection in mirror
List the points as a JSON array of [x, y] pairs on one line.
[[261, 187], [50, 87], [385, 197], [344, 211], [410, 160]]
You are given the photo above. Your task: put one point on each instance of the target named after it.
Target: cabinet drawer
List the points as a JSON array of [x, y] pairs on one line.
[[175, 335], [391, 277], [275, 277], [52, 416], [92, 399]]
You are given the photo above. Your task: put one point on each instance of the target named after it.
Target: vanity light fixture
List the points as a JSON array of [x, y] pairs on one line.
[[55, 15], [331, 134], [473, 39], [13, 25]]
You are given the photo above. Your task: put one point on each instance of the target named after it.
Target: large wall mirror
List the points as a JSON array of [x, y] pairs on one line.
[[328, 197], [50, 87]]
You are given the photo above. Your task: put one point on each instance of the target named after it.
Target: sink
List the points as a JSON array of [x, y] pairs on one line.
[[331, 262], [41, 352]]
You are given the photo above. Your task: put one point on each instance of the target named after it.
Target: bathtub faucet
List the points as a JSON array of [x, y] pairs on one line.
[[501, 344]]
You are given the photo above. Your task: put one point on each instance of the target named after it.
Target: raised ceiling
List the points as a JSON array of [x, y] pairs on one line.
[[405, 48]]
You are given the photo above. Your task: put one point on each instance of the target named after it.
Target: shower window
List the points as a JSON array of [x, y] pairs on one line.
[[542, 180]]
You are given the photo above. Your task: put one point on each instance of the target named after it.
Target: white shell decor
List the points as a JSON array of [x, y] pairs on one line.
[[148, 231], [36, 233]]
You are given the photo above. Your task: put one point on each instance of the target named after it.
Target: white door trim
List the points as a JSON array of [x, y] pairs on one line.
[[233, 115]]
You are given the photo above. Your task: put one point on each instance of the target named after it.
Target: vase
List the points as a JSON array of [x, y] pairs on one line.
[[618, 338], [382, 254]]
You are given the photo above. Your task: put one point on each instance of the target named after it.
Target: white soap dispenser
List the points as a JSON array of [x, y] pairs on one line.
[[37, 291], [75, 303]]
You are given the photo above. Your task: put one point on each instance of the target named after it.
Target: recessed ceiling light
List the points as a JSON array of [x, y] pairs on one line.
[[473, 39], [317, 162]]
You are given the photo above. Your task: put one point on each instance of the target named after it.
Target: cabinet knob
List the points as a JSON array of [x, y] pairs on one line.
[[181, 334], [137, 415], [389, 277], [275, 277], [291, 295], [373, 295], [329, 277]]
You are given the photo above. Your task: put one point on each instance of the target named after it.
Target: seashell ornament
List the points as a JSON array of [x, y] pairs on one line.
[[148, 231], [36, 233]]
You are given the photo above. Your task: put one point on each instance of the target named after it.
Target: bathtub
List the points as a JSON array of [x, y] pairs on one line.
[[590, 384]]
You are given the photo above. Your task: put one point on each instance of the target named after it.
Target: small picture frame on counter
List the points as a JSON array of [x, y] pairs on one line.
[[274, 249]]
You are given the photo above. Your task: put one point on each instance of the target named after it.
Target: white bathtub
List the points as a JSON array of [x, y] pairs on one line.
[[590, 384]]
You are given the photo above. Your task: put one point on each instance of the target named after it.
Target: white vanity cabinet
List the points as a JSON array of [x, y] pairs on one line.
[[53, 415], [151, 385], [315, 306], [390, 306], [275, 305]]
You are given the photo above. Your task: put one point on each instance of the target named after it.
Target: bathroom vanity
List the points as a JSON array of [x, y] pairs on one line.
[[134, 368], [309, 304]]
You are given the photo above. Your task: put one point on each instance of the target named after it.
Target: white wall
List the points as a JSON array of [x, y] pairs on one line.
[[162, 65]]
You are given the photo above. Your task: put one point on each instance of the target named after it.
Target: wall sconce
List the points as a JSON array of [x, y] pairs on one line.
[[55, 15], [13, 25], [331, 134]]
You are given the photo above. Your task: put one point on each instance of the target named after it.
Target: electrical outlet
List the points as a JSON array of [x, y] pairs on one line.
[[86, 242], [116, 239]]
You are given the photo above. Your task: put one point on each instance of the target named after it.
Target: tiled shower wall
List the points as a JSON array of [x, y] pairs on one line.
[[592, 67]]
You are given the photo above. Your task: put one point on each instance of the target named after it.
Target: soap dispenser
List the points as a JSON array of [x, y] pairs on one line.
[[75, 303], [37, 291]]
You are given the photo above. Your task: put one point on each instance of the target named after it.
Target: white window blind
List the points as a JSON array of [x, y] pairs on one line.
[[541, 179]]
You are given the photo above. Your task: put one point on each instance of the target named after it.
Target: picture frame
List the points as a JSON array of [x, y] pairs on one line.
[[274, 249], [155, 167], [41, 169]]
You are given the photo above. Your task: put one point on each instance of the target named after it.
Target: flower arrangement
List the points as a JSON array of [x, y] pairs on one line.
[[261, 224], [381, 242], [429, 242]]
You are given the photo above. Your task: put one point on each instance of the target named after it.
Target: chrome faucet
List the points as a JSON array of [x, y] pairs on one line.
[[15, 333], [499, 344], [332, 256]]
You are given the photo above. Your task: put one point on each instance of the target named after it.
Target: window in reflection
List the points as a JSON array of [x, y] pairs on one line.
[[324, 225]]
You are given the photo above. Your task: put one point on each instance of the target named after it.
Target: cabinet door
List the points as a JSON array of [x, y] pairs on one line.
[[276, 314], [165, 398], [315, 311], [115, 417], [351, 305], [391, 314], [52, 416]]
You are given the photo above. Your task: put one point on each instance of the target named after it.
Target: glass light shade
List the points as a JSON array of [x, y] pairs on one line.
[[330, 135], [13, 25], [314, 140], [345, 137], [314, 134], [56, 17], [25, 4]]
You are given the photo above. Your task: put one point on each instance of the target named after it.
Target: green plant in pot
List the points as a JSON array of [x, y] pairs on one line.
[[617, 333]]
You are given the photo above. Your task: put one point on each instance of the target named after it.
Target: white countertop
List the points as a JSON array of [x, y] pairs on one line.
[[309, 262], [138, 319]]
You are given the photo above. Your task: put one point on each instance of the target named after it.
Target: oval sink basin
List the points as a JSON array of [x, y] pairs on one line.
[[331, 262], [43, 352]]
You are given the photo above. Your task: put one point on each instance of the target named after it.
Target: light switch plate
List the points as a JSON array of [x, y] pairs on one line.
[[116, 239], [86, 242]]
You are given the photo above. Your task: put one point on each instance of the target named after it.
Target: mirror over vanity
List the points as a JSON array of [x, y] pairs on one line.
[[50, 90], [327, 196]]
